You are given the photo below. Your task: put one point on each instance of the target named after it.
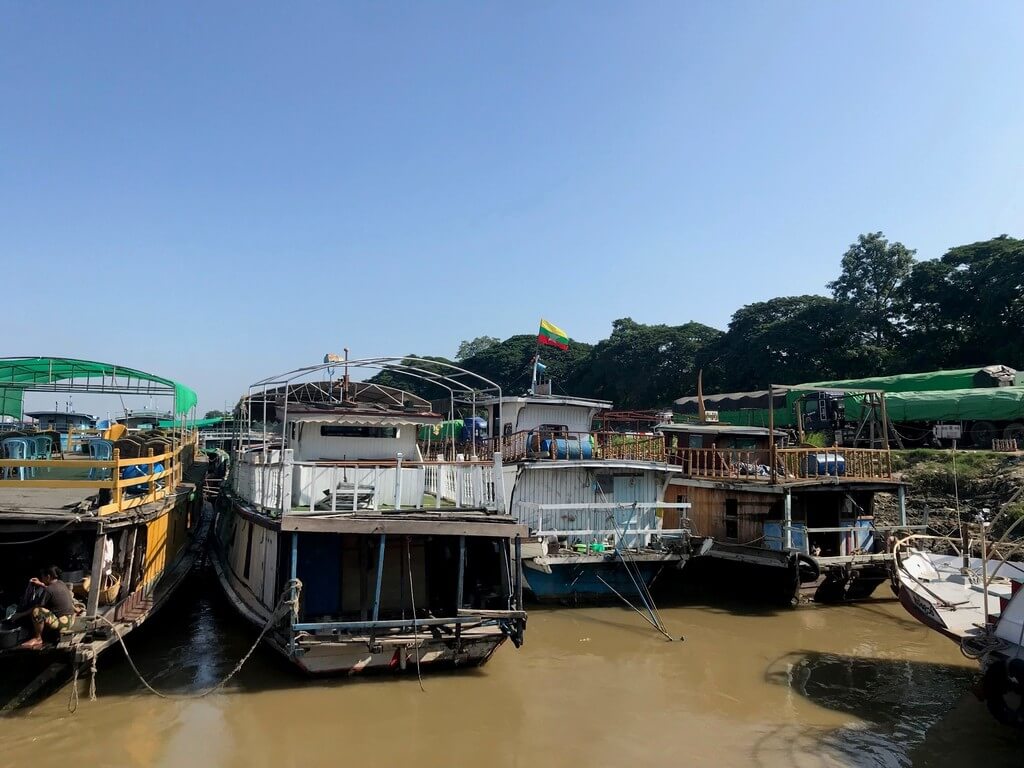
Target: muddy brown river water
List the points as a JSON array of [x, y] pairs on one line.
[[818, 686]]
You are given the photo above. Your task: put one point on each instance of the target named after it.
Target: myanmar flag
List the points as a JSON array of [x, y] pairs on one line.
[[552, 335]]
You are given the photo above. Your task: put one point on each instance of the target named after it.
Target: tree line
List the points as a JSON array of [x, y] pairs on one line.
[[886, 313]]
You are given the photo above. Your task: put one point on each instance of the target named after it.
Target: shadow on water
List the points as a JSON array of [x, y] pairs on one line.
[[905, 707], [197, 640]]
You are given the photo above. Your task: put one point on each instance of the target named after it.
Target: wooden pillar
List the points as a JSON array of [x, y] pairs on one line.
[[96, 576], [771, 433], [126, 578], [116, 492]]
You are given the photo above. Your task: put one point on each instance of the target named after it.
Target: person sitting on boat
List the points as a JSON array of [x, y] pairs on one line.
[[56, 609]]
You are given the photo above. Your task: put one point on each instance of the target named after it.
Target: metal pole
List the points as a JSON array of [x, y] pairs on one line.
[[295, 607], [787, 518], [462, 569], [380, 577], [398, 482], [901, 495]]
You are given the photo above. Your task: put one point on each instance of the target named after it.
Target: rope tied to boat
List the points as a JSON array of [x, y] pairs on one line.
[[289, 600]]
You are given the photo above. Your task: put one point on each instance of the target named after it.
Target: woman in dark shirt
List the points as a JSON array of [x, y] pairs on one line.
[[55, 611]]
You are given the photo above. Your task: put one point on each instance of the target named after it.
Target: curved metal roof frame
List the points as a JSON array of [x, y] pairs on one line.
[[65, 374], [405, 365], [400, 365]]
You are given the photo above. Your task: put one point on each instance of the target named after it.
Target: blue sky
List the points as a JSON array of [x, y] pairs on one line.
[[221, 191]]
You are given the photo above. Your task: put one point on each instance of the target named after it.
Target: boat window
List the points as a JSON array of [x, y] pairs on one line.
[[345, 430]]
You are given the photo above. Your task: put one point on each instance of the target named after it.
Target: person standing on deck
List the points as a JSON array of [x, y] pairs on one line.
[[55, 611]]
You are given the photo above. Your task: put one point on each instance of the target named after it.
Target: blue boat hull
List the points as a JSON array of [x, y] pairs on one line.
[[580, 582]]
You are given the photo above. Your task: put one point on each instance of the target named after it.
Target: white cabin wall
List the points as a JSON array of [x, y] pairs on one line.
[[576, 485], [310, 445], [575, 418]]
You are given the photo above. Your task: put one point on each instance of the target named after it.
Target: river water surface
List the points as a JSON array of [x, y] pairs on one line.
[[818, 686]]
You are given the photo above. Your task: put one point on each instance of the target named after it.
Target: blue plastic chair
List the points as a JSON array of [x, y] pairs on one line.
[[16, 448], [44, 447], [100, 450]]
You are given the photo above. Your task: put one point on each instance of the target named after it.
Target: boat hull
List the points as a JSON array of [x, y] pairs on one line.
[[326, 651], [592, 579]]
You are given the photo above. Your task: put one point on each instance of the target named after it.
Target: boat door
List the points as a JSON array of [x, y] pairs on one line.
[[627, 489]]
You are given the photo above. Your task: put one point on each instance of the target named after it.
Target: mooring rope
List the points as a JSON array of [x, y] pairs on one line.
[[285, 602], [415, 632]]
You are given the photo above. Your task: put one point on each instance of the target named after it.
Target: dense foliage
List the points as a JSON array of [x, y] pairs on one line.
[[887, 314]]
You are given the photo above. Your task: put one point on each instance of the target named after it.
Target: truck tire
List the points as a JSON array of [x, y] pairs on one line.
[[1014, 431], [982, 434]]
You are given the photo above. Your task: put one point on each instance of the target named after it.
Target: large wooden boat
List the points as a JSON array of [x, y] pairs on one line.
[[123, 528], [350, 549], [799, 518]]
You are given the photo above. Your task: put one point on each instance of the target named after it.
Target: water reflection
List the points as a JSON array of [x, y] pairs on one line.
[[592, 686]]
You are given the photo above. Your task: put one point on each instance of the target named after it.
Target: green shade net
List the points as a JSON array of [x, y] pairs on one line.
[[191, 423], [19, 375]]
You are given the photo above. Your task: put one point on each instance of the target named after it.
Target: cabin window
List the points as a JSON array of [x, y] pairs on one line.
[[731, 514], [345, 430], [605, 484]]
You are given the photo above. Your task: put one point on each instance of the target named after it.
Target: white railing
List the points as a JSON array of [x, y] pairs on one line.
[[265, 481], [631, 524], [463, 484]]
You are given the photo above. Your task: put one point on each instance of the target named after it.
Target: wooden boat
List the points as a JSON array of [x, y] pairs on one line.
[[123, 529], [796, 518], [975, 601], [350, 550], [592, 500]]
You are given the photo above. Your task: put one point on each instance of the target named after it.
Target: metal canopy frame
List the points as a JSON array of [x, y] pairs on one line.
[[454, 379], [71, 375]]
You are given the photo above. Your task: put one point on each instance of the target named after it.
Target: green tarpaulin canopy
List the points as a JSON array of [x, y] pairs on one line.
[[961, 378], [191, 423], [19, 375], [1001, 404]]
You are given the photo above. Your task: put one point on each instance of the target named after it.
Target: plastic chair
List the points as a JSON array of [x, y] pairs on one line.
[[100, 450], [44, 448], [16, 448]]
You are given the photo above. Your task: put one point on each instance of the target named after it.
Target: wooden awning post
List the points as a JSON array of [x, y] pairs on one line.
[[771, 433], [96, 576]]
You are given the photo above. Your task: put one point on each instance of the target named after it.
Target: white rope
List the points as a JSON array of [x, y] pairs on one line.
[[284, 602]]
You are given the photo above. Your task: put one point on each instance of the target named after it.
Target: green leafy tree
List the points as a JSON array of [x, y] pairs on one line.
[[871, 281], [643, 366], [474, 347], [215, 414], [788, 340], [967, 308]]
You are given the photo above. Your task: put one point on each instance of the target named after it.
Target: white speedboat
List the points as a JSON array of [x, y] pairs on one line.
[[975, 601]]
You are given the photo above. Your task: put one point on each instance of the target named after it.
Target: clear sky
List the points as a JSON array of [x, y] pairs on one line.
[[221, 191]]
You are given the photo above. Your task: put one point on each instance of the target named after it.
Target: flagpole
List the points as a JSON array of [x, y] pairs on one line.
[[533, 380]]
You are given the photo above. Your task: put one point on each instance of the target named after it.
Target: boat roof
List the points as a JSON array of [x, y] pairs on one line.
[[714, 428], [37, 414], [581, 402]]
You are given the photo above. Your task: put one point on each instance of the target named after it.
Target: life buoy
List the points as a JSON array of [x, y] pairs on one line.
[[1000, 679]]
